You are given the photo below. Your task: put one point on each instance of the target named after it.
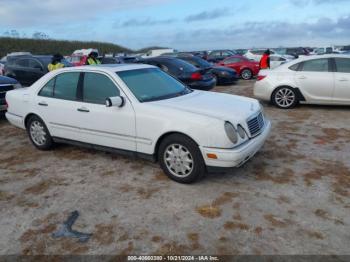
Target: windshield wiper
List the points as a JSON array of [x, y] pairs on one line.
[[183, 92]]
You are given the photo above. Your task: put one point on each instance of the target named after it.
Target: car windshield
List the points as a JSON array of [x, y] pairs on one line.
[[152, 84]]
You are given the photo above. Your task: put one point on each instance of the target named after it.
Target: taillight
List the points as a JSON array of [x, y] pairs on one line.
[[196, 76], [259, 78]]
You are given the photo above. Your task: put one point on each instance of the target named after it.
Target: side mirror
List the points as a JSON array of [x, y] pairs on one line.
[[116, 101]]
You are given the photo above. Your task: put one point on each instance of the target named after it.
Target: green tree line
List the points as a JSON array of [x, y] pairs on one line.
[[49, 47]]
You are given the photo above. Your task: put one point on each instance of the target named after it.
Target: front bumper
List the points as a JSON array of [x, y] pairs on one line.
[[227, 79], [236, 157]]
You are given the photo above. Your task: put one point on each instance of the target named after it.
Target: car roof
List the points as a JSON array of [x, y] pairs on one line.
[[110, 68], [306, 58]]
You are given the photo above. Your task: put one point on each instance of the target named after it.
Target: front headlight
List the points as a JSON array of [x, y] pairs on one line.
[[241, 131], [18, 85], [231, 132]]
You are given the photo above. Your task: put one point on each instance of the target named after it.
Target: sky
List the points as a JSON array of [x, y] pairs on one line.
[[184, 24]]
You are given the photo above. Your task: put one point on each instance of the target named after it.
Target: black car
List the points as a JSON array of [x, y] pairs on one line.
[[219, 55], [201, 54], [110, 60], [187, 73], [223, 75], [6, 84], [27, 69]]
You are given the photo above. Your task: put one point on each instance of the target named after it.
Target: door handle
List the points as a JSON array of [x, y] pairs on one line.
[[343, 80], [83, 109], [43, 104], [302, 77]]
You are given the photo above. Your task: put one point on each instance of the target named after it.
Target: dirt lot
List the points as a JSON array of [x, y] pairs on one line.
[[292, 198]]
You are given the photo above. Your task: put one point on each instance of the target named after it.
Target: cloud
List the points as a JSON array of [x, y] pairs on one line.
[[31, 13], [208, 15], [143, 22], [316, 2], [324, 31]]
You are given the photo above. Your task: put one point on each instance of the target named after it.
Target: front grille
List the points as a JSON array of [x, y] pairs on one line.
[[256, 124], [4, 89]]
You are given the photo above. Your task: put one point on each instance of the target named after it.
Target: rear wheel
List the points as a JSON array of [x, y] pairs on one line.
[[181, 159], [247, 74], [284, 97], [39, 134]]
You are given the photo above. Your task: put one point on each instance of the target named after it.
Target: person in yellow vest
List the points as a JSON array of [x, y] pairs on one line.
[[55, 62], [92, 59]]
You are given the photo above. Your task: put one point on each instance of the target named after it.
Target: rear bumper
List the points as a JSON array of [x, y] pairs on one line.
[[15, 120], [203, 85], [262, 90], [228, 158], [3, 107]]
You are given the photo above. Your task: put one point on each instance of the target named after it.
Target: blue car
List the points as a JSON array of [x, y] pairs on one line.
[[6, 84]]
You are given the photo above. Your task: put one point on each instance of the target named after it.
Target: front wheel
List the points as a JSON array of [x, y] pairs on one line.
[[284, 97], [181, 159], [39, 134], [247, 74]]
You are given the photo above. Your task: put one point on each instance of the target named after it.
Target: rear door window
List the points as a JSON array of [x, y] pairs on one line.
[[32, 63], [66, 86], [47, 90], [317, 65], [343, 65], [98, 87], [22, 63]]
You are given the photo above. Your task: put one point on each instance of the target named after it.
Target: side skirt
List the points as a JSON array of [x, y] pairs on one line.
[[127, 153]]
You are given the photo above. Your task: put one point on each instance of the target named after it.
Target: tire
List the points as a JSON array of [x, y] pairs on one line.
[[174, 165], [246, 74], [38, 133], [284, 97]]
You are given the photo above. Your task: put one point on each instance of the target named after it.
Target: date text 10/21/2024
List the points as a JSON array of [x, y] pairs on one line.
[[173, 258]]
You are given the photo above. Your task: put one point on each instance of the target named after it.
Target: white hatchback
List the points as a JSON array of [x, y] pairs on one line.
[[139, 110], [312, 80]]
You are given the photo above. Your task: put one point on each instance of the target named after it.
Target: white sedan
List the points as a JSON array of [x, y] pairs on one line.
[[312, 80], [141, 111], [277, 60]]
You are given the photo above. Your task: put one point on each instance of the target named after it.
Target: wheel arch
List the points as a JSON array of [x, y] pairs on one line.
[[28, 116], [165, 135]]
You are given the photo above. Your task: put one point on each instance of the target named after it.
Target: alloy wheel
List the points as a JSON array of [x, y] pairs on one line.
[[246, 74], [38, 133], [178, 160], [285, 97]]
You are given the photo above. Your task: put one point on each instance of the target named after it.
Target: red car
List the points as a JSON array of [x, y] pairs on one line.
[[77, 60], [244, 67]]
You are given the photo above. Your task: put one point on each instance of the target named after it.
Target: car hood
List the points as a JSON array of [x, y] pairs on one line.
[[4, 80], [216, 105]]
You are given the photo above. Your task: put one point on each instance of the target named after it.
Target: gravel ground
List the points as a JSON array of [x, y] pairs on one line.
[[291, 198]]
